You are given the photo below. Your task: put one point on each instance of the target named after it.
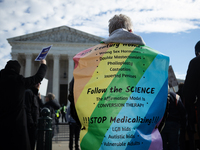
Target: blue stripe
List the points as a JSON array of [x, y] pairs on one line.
[[157, 70], [143, 133]]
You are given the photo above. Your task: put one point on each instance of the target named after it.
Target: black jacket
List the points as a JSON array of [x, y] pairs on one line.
[[33, 104], [176, 109], [13, 123], [52, 105], [72, 105], [191, 89]]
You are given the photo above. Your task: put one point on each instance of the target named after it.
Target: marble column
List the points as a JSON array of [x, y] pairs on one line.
[[28, 65], [56, 75], [70, 68]]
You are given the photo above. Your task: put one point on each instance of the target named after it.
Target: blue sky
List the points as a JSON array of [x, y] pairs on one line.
[[169, 26], [178, 46]]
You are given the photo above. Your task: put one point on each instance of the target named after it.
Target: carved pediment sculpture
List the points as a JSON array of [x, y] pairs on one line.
[[60, 34]]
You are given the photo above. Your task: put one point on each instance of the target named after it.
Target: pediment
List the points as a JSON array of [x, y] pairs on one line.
[[59, 34]]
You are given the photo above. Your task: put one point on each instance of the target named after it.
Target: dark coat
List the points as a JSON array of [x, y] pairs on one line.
[[191, 88], [176, 109], [33, 104], [191, 91], [13, 123], [72, 105], [52, 105]]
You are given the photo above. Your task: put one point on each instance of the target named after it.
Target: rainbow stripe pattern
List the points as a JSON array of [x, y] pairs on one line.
[[120, 94]]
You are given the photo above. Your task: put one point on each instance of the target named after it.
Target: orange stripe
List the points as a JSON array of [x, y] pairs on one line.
[[86, 67]]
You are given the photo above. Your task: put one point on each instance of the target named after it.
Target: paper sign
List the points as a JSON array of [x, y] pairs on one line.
[[43, 53], [43, 87], [120, 94]]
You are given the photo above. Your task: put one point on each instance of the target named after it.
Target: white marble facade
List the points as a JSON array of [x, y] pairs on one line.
[[66, 43]]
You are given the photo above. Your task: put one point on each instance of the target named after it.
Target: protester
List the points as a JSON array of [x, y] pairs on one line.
[[57, 117], [12, 110], [114, 85], [180, 92], [52, 104], [176, 114], [190, 129], [63, 112], [33, 104], [183, 123], [191, 92], [73, 111], [74, 130]]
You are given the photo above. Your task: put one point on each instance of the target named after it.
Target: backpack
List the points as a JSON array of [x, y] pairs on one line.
[[175, 111], [162, 123]]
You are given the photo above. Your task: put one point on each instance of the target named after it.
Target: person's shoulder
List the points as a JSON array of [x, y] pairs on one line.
[[52, 102], [172, 95], [195, 59], [195, 62], [19, 77]]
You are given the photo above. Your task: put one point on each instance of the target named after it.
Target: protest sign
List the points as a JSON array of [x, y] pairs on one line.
[[43, 53], [120, 94], [43, 87]]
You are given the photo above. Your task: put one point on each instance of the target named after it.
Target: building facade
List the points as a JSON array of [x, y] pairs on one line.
[[66, 42]]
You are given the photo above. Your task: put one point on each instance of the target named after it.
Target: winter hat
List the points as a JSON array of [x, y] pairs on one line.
[[197, 48], [13, 65]]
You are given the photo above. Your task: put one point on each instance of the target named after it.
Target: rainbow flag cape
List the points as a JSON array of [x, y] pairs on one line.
[[120, 94]]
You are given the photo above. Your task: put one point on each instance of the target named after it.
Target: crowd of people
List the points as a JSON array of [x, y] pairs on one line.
[[182, 116], [21, 105], [33, 107], [12, 109]]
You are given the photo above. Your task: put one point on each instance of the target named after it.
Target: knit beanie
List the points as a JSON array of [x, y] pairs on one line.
[[197, 48], [13, 65]]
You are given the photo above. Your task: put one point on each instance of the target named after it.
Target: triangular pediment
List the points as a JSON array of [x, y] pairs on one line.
[[59, 34]]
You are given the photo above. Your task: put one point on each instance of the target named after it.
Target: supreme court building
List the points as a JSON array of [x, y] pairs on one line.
[[66, 43]]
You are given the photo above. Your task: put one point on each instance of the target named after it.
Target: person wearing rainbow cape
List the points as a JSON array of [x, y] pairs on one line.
[[120, 91]]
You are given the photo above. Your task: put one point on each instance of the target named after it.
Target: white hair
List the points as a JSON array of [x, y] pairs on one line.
[[120, 21]]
